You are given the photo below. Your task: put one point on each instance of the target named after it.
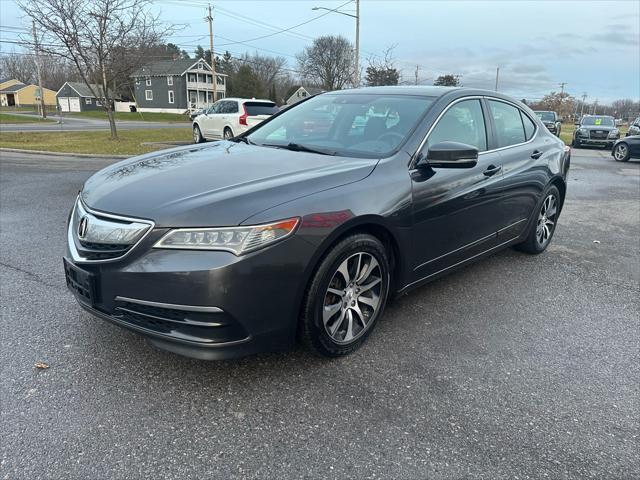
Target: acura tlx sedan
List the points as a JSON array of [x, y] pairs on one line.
[[300, 230]]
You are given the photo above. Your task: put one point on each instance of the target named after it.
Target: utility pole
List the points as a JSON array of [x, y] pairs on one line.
[[357, 76], [562, 87], [595, 105], [584, 98], [37, 57], [213, 56], [497, 75], [417, 72]]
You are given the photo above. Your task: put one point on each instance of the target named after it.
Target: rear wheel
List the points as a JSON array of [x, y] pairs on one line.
[[227, 133], [197, 134], [621, 152], [542, 229], [346, 296]]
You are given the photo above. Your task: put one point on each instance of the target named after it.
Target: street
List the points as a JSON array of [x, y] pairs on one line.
[[518, 366], [74, 124]]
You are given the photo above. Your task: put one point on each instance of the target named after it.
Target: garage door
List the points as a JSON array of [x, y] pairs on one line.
[[64, 103], [74, 104]]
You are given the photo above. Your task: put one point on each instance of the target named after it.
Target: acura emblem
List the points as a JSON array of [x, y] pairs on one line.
[[83, 226]]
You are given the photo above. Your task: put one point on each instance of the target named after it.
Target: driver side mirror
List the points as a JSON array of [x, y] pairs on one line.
[[450, 155]]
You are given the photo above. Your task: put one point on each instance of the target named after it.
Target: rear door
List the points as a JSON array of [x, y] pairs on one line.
[[457, 211], [257, 112], [524, 151]]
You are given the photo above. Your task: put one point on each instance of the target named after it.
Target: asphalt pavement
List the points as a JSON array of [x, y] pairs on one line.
[[517, 367], [62, 123]]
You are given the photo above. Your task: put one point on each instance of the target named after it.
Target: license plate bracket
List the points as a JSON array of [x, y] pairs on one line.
[[80, 282]]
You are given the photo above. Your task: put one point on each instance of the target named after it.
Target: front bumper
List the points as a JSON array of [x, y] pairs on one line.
[[203, 304], [596, 141]]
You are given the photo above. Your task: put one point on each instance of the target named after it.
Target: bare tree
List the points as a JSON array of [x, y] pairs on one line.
[[266, 69], [18, 66], [382, 70], [328, 62], [105, 39]]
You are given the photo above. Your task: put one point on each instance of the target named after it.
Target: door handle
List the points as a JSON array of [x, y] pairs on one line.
[[491, 170], [536, 154]]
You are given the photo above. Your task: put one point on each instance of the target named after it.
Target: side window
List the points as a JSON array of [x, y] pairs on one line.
[[231, 107], [529, 126], [464, 123], [509, 128]]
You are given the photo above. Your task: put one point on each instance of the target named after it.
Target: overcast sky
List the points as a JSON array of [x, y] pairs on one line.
[[593, 46]]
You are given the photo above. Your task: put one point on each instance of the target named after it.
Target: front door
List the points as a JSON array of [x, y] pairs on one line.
[[456, 211], [210, 122]]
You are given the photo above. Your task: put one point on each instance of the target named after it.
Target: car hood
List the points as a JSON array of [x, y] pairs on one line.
[[219, 184]]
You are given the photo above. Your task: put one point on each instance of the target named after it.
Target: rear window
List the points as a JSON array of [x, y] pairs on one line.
[[260, 108]]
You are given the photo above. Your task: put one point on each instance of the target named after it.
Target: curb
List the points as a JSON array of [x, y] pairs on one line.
[[63, 154]]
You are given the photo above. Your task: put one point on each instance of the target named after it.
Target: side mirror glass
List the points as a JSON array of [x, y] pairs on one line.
[[450, 155]]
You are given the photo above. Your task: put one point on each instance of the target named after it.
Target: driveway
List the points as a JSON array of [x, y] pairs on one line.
[[516, 367], [71, 124]]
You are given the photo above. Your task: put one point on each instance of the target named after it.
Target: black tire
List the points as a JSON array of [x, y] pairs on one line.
[[575, 143], [619, 155], [312, 330], [227, 134], [197, 134], [532, 243]]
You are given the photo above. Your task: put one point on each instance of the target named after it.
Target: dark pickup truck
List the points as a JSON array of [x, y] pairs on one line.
[[599, 130], [551, 120]]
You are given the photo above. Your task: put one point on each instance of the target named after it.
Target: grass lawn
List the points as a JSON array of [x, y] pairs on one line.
[[10, 118], [21, 109], [132, 116], [129, 142]]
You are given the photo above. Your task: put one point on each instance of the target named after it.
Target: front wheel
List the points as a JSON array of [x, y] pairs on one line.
[[346, 296], [197, 134], [542, 229], [621, 152], [575, 143]]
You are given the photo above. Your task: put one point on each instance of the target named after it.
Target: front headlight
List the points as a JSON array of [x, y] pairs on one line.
[[583, 132], [237, 240], [614, 133]]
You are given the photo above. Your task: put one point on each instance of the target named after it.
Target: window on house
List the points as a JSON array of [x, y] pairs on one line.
[[148, 94], [137, 80], [169, 80], [200, 66], [87, 101], [171, 96], [98, 103], [304, 94], [148, 81]]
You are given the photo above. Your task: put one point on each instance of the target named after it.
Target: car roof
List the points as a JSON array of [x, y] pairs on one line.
[[238, 99], [426, 91]]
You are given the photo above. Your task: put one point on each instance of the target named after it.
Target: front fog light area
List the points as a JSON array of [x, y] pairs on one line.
[[237, 240]]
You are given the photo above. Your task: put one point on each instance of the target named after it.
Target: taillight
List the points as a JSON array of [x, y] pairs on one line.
[[243, 117]]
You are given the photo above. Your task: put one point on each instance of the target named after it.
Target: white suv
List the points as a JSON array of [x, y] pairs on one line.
[[230, 117]]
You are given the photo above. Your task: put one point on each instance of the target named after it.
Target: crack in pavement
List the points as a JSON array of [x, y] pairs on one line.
[[32, 276]]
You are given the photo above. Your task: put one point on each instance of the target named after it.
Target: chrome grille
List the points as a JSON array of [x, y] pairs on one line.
[[97, 237], [599, 134]]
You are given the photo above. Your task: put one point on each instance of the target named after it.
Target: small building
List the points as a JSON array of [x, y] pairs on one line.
[[300, 92], [14, 93], [77, 97], [177, 86], [7, 82]]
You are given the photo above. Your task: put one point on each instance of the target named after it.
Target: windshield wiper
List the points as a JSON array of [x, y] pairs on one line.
[[296, 147], [243, 139]]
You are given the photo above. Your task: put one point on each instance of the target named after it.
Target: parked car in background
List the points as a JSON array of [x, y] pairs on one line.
[[230, 117], [626, 148], [598, 130], [551, 120], [298, 231], [634, 128]]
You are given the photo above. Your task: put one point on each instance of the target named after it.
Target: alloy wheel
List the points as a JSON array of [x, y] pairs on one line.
[[196, 134], [353, 298], [547, 220], [228, 134], [620, 153]]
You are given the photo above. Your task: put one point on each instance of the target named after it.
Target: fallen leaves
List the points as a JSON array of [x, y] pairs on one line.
[[41, 365]]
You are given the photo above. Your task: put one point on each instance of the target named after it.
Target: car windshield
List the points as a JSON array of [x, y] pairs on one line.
[[599, 121], [351, 125], [546, 116]]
